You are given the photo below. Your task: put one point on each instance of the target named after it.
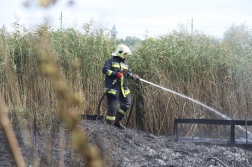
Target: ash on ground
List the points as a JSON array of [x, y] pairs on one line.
[[124, 148]]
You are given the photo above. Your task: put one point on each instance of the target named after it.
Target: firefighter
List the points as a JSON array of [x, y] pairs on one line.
[[118, 96]]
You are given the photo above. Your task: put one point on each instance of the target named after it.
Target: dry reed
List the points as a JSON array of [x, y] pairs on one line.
[[69, 103], [217, 74]]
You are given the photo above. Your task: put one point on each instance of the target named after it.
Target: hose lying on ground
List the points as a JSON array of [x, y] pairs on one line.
[[130, 113]]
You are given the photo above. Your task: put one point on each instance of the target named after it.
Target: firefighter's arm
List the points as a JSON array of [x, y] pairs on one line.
[[106, 69], [130, 75]]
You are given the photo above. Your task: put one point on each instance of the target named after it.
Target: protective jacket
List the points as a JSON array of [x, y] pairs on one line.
[[111, 67]]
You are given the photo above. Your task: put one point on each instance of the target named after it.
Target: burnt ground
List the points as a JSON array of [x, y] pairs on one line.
[[123, 148]]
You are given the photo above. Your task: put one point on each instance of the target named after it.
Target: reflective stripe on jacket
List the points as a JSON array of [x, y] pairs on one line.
[[111, 67]]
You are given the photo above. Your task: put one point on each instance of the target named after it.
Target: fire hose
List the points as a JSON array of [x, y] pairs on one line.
[[115, 81], [176, 93]]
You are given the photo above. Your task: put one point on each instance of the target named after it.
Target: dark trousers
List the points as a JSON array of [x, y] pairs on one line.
[[113, 105]]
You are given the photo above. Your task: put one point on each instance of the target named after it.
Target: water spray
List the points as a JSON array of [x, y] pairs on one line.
[[186, 97]]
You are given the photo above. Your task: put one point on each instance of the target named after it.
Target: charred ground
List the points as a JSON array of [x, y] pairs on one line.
[[124, 148]]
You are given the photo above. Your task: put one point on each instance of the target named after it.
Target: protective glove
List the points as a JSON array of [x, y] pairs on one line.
[[119, 75], [135, 76]]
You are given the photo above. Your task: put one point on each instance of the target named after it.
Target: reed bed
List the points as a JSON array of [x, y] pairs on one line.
[[208, 70]]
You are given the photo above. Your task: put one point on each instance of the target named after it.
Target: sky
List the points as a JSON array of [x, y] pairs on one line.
[[132, 17]]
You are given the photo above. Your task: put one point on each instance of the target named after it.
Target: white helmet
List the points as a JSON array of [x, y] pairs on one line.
[[121, 49]]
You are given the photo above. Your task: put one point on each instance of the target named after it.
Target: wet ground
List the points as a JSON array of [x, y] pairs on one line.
[[125, 148]]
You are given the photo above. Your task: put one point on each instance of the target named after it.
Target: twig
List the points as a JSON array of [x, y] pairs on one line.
[[216, 159], [185, 152], [98, 129]]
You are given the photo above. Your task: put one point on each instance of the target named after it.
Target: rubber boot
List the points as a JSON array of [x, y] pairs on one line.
[[110, 122], [118, 124]]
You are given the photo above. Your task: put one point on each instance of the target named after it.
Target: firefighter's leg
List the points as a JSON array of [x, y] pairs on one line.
[[113, 105], [122, 111]]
